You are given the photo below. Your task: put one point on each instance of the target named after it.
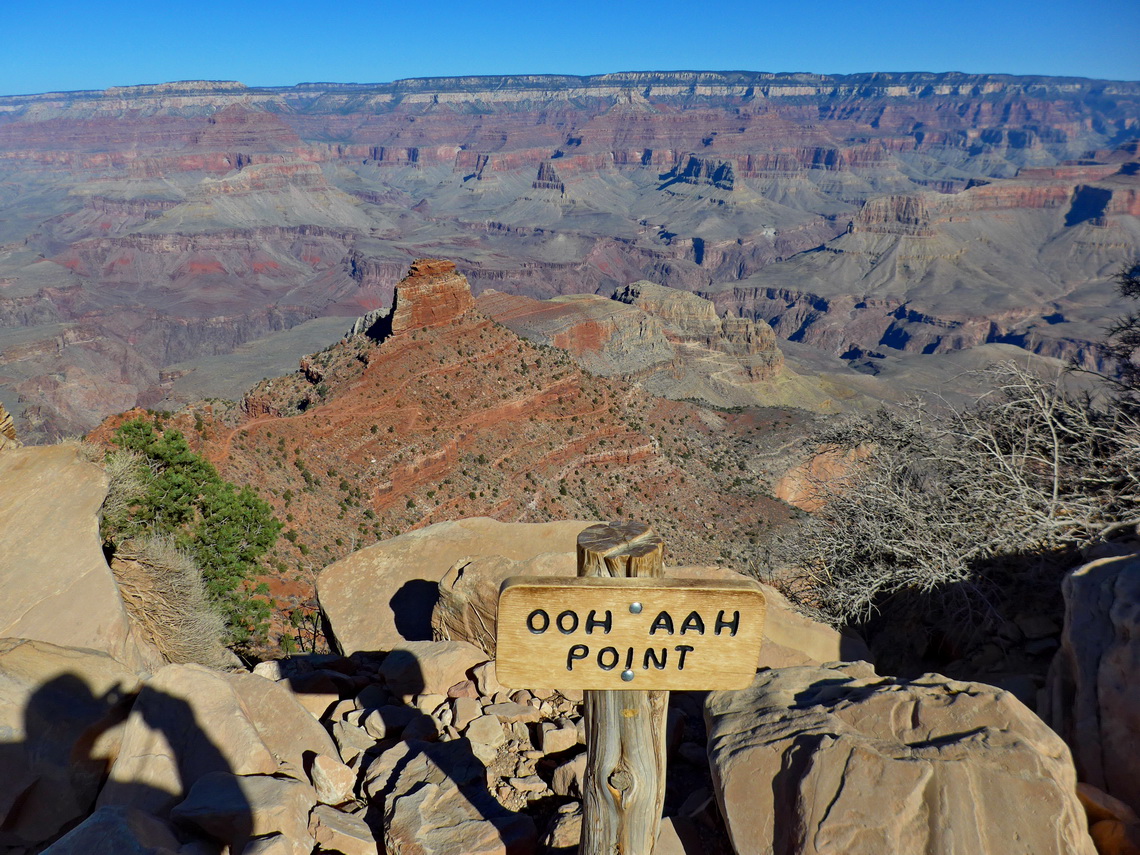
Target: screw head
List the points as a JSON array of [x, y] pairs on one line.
[[627, 675], [635, 608]]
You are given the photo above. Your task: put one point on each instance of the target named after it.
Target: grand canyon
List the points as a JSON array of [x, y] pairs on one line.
[[431, 332], [868, 219]]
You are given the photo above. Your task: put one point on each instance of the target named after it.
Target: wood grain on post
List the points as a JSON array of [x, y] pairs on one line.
[[624, 785]]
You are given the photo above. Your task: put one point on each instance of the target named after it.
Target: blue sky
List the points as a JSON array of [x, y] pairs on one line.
[[46, 45]]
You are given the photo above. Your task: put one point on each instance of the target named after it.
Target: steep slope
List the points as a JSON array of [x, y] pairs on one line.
[[435, 412]]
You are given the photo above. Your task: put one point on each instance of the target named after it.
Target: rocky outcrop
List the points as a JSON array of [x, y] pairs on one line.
[[670, 341], [692, 319], [1093, 697], [57, 585], [702, 170], [431, 295], [383, 595], [547, 178], [825, 759], [7, 430]]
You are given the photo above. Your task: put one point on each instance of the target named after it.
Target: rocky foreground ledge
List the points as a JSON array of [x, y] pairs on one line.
[[405, 743]]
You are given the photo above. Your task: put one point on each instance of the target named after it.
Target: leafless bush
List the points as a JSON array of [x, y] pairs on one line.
[[127, 483], [963, 515], [163, 592]]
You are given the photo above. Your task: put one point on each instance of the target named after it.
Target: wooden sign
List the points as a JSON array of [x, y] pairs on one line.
[[628, 633]]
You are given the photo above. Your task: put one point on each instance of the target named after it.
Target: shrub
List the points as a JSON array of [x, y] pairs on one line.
[[163, 591], [955, 521], [224, 529]]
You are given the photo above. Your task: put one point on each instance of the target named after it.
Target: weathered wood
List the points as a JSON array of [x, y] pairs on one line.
[[624, 785], [620, 634]]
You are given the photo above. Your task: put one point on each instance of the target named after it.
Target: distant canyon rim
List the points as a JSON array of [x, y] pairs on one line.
[[876, 222]]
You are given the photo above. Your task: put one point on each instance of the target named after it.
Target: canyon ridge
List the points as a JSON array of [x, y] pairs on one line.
[[880, 224]]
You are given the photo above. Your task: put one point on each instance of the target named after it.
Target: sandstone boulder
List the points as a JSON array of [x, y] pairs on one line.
[[340, 832], [189, 721], [429, 667], [814, 760], [468, 604], [436, 801], [118, 829], [61, 714], [234, 808], [384, 594], [57, 585], [1093, 691]]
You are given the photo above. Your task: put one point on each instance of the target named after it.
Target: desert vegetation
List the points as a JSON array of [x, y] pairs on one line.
[[950, 520], [191, 541]]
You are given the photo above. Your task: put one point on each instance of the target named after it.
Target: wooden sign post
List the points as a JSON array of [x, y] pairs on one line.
[[627, 636]]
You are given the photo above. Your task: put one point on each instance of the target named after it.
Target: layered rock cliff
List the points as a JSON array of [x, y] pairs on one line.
[[203, 205]]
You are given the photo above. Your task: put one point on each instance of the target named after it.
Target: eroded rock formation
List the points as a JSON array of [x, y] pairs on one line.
[[819, 759]]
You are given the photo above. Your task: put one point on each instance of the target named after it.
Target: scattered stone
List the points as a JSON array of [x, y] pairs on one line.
[[678, 836], [565, 830], [511, 712], [429, 703], [486, 736], [422, 727], [1113, 837], [118, 829], [341, 709], [529, 784], [388, 721], [235, 808], [276, 844], [870, 765], [373, 696], [464, 711], [1093, 695], [429, 667], [486, 679], [695, 802], [436, 794], [555, 737], [340, 832], [1100, 805], [463, 689], [319, 691], [567, 778], [352, 742], [333, 781], [288, 730]]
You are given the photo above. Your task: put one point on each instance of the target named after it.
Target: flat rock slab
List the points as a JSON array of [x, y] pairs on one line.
[[429, 667], [56, 583], [822, 760], [189, 721], [436, 802], [118, 829]]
